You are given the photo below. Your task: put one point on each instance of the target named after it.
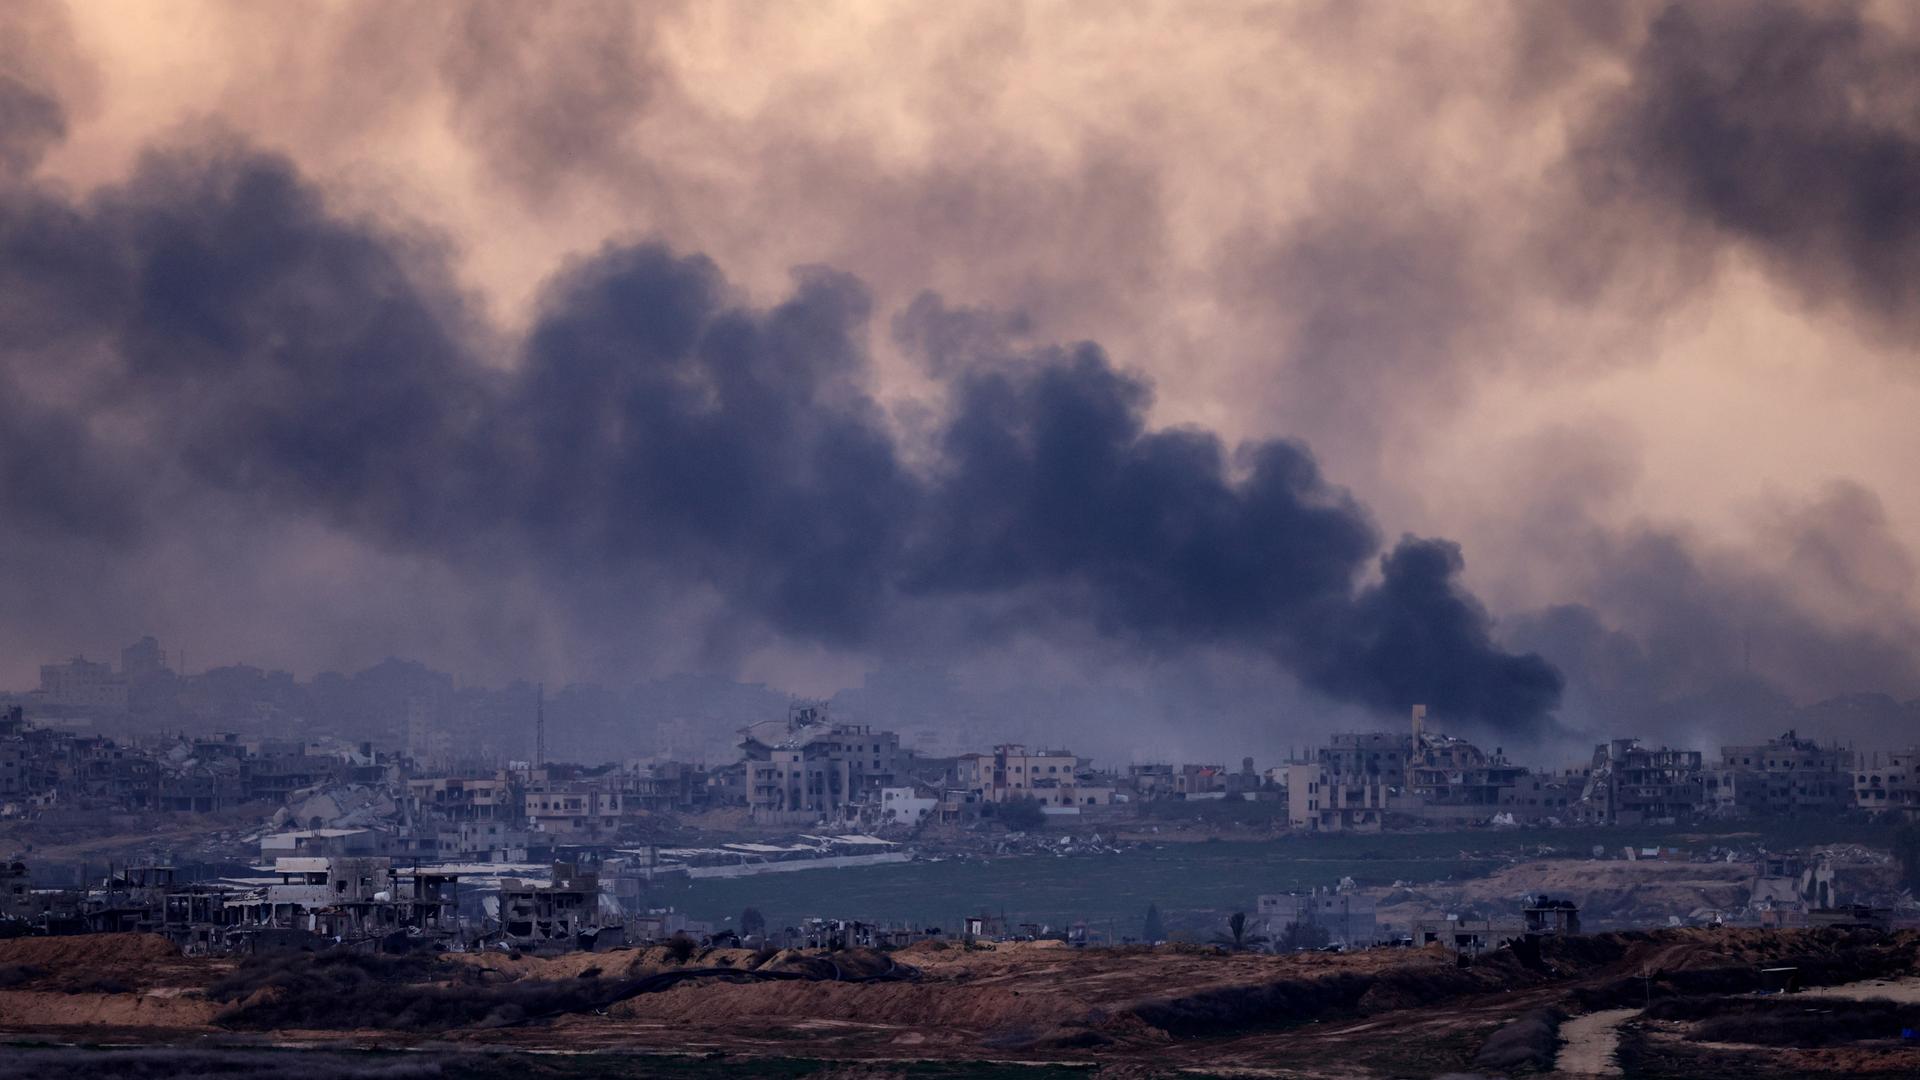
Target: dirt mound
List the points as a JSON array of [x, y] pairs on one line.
[[924, 1005], [861, 963], [1300, 993], [32, 1009], [616, 964], [1529, 1041], [93, 950], [1702, 961]]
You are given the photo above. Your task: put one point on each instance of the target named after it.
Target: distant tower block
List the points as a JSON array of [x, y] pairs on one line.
[[1419, 726]]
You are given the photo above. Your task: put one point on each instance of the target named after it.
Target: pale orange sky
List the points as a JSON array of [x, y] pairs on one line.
[[1121, 172], [1237, 114]]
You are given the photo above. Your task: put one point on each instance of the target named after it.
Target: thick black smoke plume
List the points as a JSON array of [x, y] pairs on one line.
[[1789, 128], [211, 334]]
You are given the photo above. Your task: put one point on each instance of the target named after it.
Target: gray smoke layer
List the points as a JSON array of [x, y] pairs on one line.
[[208, 335]]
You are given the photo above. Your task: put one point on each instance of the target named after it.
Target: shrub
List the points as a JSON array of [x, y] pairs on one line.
[[1795, 1022], [1530, 1040], [12, 975]]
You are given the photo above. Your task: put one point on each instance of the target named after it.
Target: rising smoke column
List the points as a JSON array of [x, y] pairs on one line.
[[211, 333]]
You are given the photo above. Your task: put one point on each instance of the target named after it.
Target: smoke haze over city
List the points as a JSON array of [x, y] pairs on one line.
[[1549, 365]]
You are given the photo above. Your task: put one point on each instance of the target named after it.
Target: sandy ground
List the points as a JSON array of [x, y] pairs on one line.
[[1380, 1013], [1604, 889], [1906, 991]]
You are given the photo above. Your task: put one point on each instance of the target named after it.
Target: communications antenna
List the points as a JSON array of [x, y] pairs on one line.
[[540, 727]]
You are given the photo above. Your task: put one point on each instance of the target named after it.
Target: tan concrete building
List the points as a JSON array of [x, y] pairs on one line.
[[1888, 782], [821, 768], [1788, 775], [1321, 800]]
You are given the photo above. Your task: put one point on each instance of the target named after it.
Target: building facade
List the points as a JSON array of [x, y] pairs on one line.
[[1630, 783], [1788, 775]]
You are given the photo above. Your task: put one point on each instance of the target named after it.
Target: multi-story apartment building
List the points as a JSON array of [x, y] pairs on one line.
[[1151, 780], [1381, 756], [820, 768], [667, 785], [458, 799], [1787, 775], [1888, 781], [1450, 778], [1358, 778], [1013, 772], [83, 683], [143, 659], [1051, 777], [1322, 800], [1630, 783], [576, 809], [16, 770]]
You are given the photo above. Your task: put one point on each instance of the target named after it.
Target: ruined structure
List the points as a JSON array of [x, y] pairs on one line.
[[819, 768], [1631, 783], [559, 912]]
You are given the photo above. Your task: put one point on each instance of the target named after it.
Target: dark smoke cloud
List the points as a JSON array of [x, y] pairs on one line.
[[1680, 634], [547, 95], [1793, 130], [657, 423], [228, 340], [30, 123], [39, 67]]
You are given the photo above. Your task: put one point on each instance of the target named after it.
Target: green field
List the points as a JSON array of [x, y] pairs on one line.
[[1115, 889]]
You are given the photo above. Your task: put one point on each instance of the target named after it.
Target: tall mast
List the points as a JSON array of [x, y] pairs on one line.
[[540, 727]]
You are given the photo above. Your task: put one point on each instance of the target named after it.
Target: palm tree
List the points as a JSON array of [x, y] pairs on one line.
[[1237, 937]]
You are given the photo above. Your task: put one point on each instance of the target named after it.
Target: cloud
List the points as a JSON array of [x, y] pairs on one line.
[[1399, 238], [547, 95], [260, 350], [1785, 130]]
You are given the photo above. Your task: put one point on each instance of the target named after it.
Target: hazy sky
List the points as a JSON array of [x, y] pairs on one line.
[[473, 332]]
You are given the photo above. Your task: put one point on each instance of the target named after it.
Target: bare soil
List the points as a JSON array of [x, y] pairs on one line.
[[1384, 1012]]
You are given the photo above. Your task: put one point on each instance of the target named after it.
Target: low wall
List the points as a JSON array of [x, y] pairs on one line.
[[781, 866]]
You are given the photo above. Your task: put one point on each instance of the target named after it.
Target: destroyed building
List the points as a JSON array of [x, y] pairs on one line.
[[1888, 782], [1361, 781], [1547, 915], [347, 899], [818, 768], [557, 912], [1630, 783]]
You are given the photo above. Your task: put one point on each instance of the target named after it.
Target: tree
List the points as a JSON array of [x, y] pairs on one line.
[[1154, 930], [752, 923], [1023, 815], [1236, 937]]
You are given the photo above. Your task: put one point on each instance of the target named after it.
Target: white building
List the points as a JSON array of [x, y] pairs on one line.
[[905, 806], [1347, 917]]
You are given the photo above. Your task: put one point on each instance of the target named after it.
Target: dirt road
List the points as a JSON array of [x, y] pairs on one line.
[[1589, 1043]]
